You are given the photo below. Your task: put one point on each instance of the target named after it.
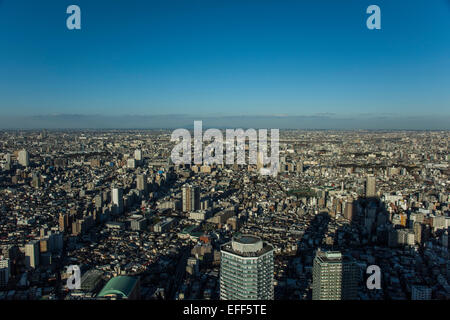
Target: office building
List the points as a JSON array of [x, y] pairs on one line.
[[190, 198], [131, 163], [98, 202], [117, 200], [200, 215], [24, 158], [32, 254], [36, 181], [138, 224], [64, 222], [334, 277], [348, 209], [246, 269], [192, 266], [370, 187], [56, 241], [138, 154], [164, 225], [141, 182]]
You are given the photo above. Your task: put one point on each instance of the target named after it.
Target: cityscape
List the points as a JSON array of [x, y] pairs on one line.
[[226, 159], [140, 227]]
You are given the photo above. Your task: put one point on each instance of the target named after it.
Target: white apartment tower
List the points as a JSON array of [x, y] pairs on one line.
[[117, 200], [246, 269], [24, 158]]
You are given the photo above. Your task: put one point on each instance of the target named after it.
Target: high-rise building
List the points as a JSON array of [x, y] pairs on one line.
[[401, 237], [117, 200], [55, 241], [334, 277], [141, 182], [246, 269], [32, 254], [44, 245], [24, 158], [370, 187], [131, 163], [9, 251], [5, 271], [64, 221], [138, 154], [98, 201], [190, 198], [138, 224], [36, 181], [417, 227], [348, 209]]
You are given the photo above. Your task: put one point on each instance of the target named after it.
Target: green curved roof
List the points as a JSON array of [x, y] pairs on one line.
[[122, 285]]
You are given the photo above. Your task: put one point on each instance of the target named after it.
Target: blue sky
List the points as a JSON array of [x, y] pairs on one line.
[[226, 58]]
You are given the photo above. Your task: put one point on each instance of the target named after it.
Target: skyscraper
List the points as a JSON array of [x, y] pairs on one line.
[[334, 277], [24, 158], [138, 154], [417, 227], [246, 269], [370, 187], [348, 209], [117, 200], [141, 182], [190, 198], [64, 221], [32, 254]]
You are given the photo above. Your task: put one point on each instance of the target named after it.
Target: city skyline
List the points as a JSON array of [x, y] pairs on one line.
[[107, 214], [226, 158]]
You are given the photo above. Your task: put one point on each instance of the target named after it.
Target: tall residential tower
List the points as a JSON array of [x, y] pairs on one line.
[[190, 198], [246, 269]]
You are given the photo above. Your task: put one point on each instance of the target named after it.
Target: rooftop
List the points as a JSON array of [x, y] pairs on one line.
[[247, 246], [122, 286]]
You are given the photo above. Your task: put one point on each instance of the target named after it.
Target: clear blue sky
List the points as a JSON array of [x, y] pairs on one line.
[[225, 57]]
